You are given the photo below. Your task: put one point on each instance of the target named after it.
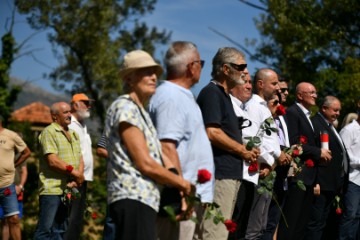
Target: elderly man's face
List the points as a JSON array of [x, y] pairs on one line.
[[63, 117], [332, 112], [243, 91], [307, 95]]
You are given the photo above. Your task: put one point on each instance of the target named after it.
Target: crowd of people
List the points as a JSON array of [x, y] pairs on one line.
[[278, 172]]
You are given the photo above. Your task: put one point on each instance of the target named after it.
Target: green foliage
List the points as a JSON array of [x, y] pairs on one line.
[[89, 38], [7, 95], [313, 41]]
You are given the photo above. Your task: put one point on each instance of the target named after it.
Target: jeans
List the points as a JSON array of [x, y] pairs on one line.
[[52, 221], [109, 227], [349, 224]]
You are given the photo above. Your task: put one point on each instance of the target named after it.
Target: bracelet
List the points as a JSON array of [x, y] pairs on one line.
[[69, 168]]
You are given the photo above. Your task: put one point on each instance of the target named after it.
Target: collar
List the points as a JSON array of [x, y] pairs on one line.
[[306, 111]]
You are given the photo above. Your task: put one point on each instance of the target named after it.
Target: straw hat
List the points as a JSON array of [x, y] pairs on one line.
[[138, 59]]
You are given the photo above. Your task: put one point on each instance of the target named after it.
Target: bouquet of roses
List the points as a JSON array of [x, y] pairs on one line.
[[297, 165], [212, 209]]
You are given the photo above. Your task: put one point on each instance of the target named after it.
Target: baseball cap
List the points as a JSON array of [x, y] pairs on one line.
[[80, 97]]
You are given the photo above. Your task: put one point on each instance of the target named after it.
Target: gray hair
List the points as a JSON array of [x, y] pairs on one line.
[[328, 100], [224, 55], [178, 55]]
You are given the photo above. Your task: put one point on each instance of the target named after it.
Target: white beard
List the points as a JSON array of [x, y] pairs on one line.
[[83, 114], [240, 80]]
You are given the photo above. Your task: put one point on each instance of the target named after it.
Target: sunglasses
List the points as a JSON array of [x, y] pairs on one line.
[[202, 62], [284, 90], [238, 67], [276, 102]]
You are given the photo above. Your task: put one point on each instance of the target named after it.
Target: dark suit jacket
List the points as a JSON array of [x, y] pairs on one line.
[[299, 125], [329, 174]]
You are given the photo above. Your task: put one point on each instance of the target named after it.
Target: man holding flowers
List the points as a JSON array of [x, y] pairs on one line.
[[62, 166], [222, 127], [181, 131], [298, 204]]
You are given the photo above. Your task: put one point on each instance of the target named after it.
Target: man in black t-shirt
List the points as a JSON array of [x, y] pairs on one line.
[[222, 128]]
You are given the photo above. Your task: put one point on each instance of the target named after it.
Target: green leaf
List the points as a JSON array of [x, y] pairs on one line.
[[170, 211], [301, 185]]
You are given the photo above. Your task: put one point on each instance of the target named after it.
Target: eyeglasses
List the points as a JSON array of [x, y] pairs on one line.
[[238, 67], [284, 90], [312, 93], [202, 62]]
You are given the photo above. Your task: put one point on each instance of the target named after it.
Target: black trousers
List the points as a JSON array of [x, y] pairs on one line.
[[242, 209], [296, 209], [133, 220], [76, 218]]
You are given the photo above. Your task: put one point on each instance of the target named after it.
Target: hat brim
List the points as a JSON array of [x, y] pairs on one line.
[[124, 72]]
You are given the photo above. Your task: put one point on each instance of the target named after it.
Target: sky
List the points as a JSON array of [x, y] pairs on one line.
[[188, 20]]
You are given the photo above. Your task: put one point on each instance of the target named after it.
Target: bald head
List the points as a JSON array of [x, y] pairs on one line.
[[60, 113], [266, 83], [306, 94]]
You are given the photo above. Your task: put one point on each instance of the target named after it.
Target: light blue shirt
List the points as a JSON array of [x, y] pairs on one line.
[[177, 116]]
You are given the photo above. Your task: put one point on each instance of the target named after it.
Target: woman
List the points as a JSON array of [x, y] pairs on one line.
[[136, 161]]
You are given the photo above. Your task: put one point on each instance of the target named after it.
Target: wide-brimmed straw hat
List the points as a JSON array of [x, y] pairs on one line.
[[138, 59]]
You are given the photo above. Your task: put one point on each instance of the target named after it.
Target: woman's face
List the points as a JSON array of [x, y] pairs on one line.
[[273, 104], [143, 81]]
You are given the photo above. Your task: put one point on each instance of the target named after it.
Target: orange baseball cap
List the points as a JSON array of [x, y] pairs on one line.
[[80, 97]]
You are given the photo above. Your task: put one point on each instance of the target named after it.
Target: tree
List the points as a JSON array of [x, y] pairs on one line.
[[314, 41], [92, 36], [9, 50]]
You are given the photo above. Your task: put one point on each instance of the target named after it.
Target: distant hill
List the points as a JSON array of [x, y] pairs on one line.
[[31, 93]]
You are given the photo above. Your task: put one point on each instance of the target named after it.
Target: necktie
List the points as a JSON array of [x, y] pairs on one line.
[[280, 132]]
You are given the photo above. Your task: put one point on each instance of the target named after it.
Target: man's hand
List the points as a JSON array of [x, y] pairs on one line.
[[251, 156], [265, 170], [284, 159], [325, 155], [78, 176], [317, 190]]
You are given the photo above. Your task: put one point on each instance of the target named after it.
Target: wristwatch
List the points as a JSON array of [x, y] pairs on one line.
[[21, 187]]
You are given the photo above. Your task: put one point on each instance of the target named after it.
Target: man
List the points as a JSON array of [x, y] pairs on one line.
[[330, 176], [19, 181], [80, 111], [284, 90], [349, 225], [181, 130], [10, 143], [62, 166], [266, 88], [222, 128], [297, 206]]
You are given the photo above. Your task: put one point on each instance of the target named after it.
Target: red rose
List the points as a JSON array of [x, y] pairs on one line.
[[338, 211], [280, 110], [303, 139], [203, 176], [7, 192], [68, 195], [309, 163], [230, 225], [254, 167], [295, 153], [94, 215]]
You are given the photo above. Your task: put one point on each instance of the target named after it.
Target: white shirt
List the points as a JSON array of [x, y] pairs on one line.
[[257, 114], [350, 135], [85, 145], [306, 112]]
